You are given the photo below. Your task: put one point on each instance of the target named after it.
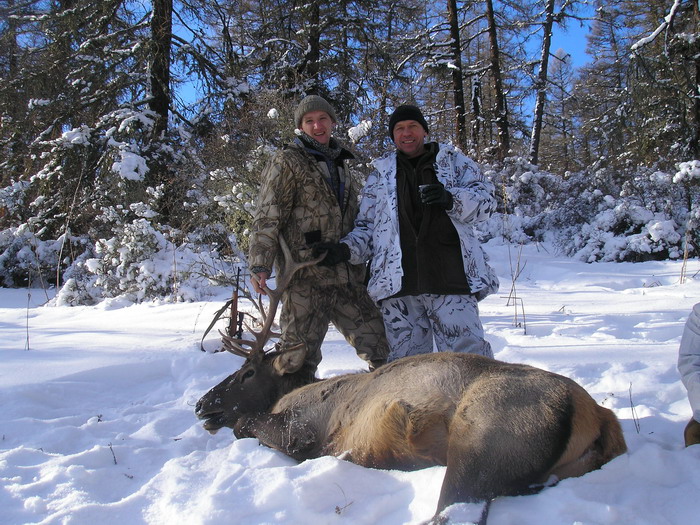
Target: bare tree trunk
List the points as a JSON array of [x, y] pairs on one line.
[[501, 105], [12, 40], [695, 139], [161, 39], [161, 36], [476, 111], [457, 82], [541, 84]]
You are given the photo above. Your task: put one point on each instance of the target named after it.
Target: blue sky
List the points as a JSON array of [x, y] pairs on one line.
[[573, 41]]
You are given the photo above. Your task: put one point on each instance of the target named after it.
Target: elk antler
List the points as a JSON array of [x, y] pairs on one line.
[[238, 346]]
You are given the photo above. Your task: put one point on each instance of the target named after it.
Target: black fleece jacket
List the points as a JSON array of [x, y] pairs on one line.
[[431, 255]]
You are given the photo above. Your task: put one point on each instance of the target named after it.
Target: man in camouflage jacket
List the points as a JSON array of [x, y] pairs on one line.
[[308, 195]]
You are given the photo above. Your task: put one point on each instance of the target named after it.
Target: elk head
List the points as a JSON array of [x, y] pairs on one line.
[[266, 375], [253, 389]]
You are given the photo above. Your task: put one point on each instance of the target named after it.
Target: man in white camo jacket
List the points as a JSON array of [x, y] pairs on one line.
[[689, 368], [416, 226]]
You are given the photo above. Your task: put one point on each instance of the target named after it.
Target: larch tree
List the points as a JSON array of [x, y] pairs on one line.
[[666, 57], [457, 75], [502, 119], [554, 12], [541, 85], [557, 150], [602, 89]]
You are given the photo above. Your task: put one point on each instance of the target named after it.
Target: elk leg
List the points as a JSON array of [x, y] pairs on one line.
[[281, 431], [500, 447]]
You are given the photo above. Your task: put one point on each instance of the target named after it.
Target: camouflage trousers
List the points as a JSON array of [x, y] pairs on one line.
[[451, 322], [307, 309]]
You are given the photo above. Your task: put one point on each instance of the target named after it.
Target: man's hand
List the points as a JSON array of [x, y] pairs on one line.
[[435, 194], [259, 282], [336, 252]]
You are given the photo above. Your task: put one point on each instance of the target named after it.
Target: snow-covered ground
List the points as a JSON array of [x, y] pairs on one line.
[[97, 422]]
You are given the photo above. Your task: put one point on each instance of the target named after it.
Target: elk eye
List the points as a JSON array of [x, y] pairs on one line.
[[247, 375]]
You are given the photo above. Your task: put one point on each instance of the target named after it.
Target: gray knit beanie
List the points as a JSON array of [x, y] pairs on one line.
[[313, 103], [406, 112]]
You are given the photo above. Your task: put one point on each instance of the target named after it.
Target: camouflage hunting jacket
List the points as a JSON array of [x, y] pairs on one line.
[[376, 232], [689, 359], [297, 202]]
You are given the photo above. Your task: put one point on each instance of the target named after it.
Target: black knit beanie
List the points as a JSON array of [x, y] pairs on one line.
[[406, 112], [313, 103]]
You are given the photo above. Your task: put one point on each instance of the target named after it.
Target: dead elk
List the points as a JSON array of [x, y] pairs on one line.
[[500, 428]]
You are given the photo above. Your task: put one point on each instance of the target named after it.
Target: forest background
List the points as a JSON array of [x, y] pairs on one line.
[[133, 133]]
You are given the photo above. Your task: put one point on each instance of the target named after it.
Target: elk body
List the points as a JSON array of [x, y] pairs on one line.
[[499, 428]]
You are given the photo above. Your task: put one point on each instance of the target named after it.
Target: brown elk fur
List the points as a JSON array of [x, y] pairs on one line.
[[500, 428]]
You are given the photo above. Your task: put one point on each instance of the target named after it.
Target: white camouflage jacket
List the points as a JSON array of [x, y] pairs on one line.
[[689, 359], [376, 233]]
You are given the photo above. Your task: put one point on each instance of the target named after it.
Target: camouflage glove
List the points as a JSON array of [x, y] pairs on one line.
[[336, 252], [692, 433], [435, 194]]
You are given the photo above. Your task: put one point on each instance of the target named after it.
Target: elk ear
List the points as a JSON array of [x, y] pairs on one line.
[[290, 360]]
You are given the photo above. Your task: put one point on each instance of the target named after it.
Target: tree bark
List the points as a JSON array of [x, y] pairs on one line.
[[457, 82], [476, 111], [695, 89], [501, 105], [161, 37], [12, 41], [541, 83]]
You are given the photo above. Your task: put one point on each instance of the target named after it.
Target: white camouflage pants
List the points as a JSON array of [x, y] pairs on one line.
[[452, 321]]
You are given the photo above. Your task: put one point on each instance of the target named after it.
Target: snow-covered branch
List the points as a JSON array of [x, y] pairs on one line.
[[668, 19]]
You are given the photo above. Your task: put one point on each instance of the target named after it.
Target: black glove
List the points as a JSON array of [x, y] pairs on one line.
[[435, 194], [336, 252]]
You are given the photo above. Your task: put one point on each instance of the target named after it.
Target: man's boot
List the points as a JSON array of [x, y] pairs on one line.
[[692, 433]]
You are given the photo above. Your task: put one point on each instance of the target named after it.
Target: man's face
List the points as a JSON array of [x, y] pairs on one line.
[[318, 125], [409, 137]]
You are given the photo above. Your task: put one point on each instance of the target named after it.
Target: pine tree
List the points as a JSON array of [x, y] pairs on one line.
[[90, 137]]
